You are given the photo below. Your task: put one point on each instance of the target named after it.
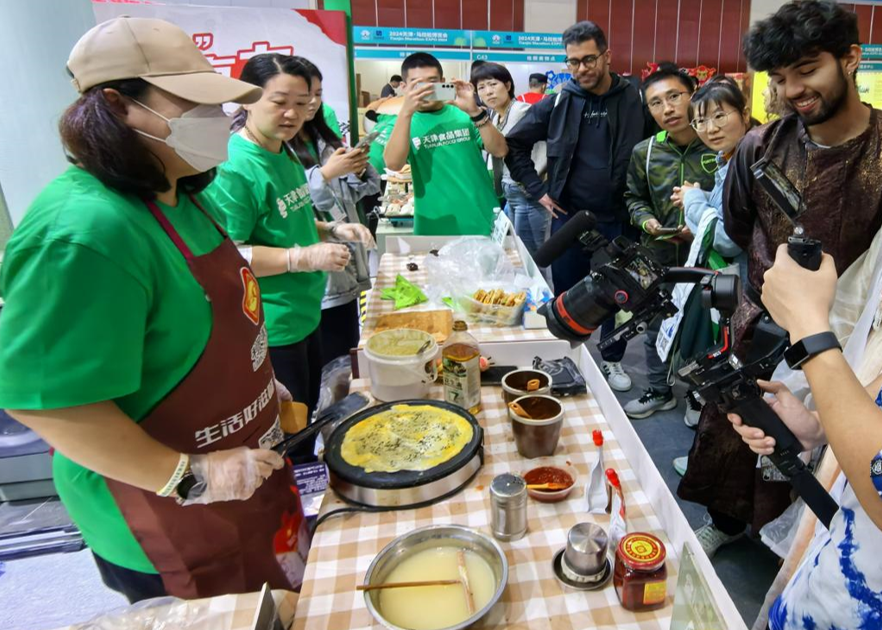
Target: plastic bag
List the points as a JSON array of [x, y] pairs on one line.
[[336, 377], [474, 263], [778, 535], [595, 489], [161, 613]]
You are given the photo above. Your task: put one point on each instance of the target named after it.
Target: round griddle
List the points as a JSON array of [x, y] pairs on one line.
[[404, 488]]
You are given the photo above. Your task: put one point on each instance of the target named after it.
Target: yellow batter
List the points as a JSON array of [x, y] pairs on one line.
[[406, 437]]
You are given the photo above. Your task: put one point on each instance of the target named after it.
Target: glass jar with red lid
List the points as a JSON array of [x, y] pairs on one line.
[[640, 576]]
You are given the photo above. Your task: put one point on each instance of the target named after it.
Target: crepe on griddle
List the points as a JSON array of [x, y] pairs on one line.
[[406, 437]]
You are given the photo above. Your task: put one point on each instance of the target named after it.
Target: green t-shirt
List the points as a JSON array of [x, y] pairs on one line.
[[331, 118], [453, 193], [262, 198], [100, 305], [384, 126]]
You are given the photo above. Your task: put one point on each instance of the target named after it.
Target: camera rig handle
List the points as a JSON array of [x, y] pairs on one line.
[[786, 455]]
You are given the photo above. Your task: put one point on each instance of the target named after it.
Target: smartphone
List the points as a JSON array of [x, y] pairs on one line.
[[366, 141], [443, 92], [669, 231]]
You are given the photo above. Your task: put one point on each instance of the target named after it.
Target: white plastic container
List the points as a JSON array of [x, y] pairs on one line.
[[401, 364]]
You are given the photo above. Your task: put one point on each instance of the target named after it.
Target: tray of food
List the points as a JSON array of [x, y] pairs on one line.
[[494, 307]]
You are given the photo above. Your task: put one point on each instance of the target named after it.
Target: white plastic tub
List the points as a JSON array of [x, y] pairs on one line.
[[401, 364]]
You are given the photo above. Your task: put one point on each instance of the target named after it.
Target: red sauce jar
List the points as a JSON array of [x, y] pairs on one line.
[[640, 576]]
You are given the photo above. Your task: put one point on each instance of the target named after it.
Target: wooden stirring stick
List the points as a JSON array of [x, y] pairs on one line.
[[523, 413], [376, 587], [464, 579], [533, 385], [548, 486]]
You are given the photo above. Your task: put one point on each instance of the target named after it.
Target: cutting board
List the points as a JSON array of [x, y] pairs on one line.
[[439, 324]]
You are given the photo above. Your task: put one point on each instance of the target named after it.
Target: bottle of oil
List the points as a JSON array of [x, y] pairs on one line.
[[461, 357]]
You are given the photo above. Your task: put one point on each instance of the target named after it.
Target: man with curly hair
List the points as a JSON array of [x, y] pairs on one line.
[[829, 147]]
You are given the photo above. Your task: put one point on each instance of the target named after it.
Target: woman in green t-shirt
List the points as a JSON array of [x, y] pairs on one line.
[[262, 196], [132, 335]]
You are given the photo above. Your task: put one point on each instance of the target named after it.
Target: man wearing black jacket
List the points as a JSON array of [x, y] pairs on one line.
[[591, 128]]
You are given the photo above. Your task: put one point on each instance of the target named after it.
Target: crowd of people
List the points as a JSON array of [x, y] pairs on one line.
[[214, 269]]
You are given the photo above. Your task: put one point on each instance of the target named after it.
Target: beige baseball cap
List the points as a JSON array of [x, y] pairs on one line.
[[158, 52]]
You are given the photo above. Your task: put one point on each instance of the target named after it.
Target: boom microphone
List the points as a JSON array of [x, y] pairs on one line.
[[581, 222]]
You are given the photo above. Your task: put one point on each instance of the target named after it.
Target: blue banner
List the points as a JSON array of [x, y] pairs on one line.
[[872, 51], [443, 37], [505, 39], [519, 57], [458, 55], [401, 53], [410, 36]]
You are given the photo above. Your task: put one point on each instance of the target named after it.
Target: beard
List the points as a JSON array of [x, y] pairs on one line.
[[829, 105]]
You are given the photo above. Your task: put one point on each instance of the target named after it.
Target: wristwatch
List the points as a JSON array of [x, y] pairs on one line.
[[809, 347], [189, 487], [481, 116]]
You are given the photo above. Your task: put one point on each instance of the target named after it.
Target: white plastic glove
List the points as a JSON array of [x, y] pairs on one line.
[[354, 233], [319, 257], [283, 392], [231, 475]]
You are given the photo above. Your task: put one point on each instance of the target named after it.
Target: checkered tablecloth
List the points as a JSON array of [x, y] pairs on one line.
[[393, 264], [344, 546], [224, 612]]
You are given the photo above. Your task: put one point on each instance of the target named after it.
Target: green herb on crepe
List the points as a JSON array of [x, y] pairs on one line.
[[405, 293]]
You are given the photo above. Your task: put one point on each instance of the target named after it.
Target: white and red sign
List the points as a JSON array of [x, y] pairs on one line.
[[230, 36]]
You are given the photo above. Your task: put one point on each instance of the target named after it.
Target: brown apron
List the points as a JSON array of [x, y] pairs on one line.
[[227, 400]]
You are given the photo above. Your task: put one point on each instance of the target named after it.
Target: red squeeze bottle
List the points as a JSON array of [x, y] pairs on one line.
[[613, 478], [598, 437]]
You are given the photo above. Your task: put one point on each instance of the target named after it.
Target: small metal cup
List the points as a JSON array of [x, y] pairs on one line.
[[586, 552]]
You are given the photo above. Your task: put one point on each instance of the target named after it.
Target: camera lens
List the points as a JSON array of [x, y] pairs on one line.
[[577, 313]]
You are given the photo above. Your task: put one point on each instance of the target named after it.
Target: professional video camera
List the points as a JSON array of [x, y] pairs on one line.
[[632, 280]]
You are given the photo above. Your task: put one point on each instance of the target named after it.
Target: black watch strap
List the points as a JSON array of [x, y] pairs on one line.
[[812, 345], [480, 116]]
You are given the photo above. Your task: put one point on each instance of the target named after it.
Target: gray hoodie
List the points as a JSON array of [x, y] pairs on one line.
[[336, 201]]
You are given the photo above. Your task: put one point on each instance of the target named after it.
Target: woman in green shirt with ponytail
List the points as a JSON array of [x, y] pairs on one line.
[[262, 196]]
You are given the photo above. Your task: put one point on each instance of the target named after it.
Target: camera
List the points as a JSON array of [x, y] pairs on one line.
[[633, 281]]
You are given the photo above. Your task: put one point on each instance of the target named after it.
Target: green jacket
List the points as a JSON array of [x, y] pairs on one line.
[[650, 197]]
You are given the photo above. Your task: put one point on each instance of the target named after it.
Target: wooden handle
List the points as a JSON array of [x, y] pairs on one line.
[[376, 587], [516, 407], [548, 486], [464, 579]]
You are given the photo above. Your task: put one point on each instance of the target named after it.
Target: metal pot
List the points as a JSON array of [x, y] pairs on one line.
[[432, 537]]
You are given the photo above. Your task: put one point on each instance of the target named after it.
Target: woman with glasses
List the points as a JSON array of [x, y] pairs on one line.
[[339, 177], [721, 118], [262, 197], [495, 87]]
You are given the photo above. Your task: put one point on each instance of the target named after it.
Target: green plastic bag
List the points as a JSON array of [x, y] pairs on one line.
[[405, 293]]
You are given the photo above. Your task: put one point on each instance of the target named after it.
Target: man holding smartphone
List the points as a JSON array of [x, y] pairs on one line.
[[658, 164], [442, 142]]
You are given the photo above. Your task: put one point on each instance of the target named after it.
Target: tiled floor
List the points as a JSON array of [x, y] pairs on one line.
[[51, 591]]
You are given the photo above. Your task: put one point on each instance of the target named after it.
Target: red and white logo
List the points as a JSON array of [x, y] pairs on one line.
[[251, 296]]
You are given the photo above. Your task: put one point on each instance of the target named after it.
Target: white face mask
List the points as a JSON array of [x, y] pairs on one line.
[[199, 136]]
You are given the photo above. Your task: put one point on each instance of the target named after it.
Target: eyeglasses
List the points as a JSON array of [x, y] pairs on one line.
[[590, 62], [719, 120], [673, 99]]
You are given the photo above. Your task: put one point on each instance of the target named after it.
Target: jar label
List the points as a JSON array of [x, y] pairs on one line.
[[655, 592]]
